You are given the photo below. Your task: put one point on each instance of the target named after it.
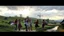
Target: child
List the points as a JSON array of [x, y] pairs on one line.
[[27, 23], [15, 24], [30, 24], [43, 24], [19, 25], [36, 24]]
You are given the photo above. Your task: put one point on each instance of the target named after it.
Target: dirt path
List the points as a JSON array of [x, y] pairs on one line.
[[60, 29], [26, 31]]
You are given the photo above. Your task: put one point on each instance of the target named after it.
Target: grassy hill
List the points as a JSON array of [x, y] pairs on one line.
[[5, 27]]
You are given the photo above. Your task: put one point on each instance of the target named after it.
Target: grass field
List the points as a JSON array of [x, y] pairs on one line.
[[5, 27]]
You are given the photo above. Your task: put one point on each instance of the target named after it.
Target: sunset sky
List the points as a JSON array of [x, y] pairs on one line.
[[51, 12]]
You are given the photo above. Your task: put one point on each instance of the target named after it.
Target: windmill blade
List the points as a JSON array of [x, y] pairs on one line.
[[39, 15]]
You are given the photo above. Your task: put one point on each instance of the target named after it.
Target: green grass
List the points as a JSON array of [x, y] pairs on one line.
[[5, 27]]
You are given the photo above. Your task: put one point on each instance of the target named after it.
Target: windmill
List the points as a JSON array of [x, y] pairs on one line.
[[40, 16], [20, 15]]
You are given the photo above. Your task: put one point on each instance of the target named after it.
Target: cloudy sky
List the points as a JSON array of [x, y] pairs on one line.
[[51, 12]]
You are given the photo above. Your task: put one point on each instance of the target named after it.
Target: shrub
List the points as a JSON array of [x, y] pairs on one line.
[[62, 26], [39, 30]]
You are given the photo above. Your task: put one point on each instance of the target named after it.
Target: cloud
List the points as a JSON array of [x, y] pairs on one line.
[[12, 7], [51, 12], [36, 7], [51, 7]]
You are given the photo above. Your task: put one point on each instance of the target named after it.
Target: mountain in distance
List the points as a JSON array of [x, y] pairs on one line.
[[58, 20]]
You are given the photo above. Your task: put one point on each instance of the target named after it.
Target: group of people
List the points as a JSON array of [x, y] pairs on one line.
[[18, 24], [28, 24]]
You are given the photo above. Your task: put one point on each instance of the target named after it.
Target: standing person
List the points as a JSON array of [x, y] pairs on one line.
[[26, 23], [15, 24], [36, 24], [30, 24], [19, 25], [43, 24]]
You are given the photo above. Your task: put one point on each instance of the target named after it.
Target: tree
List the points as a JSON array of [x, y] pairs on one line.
[[16, 16], [47, 20], [5, 18], [20, 15]]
